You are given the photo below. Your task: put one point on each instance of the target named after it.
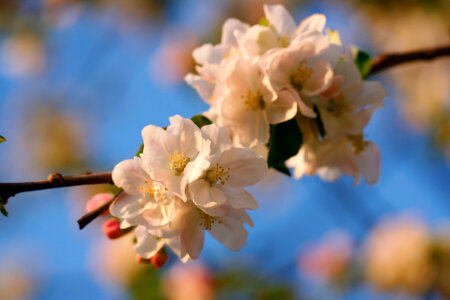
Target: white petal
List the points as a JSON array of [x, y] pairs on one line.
[[193, 235], [321, 79], [155, 145], [280, 19], [315, 22], [283, 108], [130, 176], [228, 31], [206, 195], [127, 206], [245, 167], [230, 232], [209, 54], [203, 87], [239, 198], [349, 70], [147, 245], [220, 140], [184, 136]]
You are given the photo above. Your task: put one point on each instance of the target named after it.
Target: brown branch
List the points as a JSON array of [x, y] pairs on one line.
[[56, 180], [91, 216], [389, 60]]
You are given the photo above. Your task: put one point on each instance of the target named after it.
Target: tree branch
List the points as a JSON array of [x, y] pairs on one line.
[[389, 60], [55, 180]]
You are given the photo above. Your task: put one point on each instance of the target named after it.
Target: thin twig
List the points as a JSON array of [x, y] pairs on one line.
[[389, 60], [56, 180], [91, 216]]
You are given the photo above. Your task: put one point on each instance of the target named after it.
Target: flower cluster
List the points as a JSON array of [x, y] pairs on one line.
[[269, 73], [186, 181]]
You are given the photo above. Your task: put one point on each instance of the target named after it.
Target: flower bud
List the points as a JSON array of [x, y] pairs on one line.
[[98, 200], [159, 259], [111, 228], [142, 260]]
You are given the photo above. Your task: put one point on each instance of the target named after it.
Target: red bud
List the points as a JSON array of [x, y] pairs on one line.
[[142, 260], [111, 228], [159, 259]]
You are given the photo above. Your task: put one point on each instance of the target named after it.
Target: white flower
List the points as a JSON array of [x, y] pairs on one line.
[[220, 178], [250, 105], [226, 226], [347, 105], [169, 151], [301, 71]]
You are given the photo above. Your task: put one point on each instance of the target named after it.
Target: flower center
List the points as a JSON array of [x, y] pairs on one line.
[[148, 188], [302, 75], [357, 142], [253, 100], [178, 162], [283, 41], [207, 221], [338, 106], [218, 175]]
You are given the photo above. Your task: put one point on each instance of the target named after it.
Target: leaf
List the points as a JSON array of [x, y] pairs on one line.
[[285, 141], [2, 139], [264, 21], [140, 150], [363, 62], [282, 168], [3, 209], [319, 122], [201, 120]]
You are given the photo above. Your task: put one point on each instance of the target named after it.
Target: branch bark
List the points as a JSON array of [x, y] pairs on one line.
[[389, 60], [55, 180]]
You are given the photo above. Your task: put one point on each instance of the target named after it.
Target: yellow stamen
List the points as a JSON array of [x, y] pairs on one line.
[[218, 175], [253, 100], [302, 75], [207, 221], [283, 41], [357, 142], [148, 188], [178, 162], [338, 106]]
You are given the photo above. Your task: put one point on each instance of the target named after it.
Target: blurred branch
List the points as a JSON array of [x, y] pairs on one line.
[[55, 180], [389, 60], [90, 216]]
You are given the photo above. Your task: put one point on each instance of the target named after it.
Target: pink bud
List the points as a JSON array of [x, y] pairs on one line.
[[111, 228], [98, 200], [159, 259]]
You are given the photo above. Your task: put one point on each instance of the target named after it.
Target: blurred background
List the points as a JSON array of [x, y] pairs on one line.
[[79, 79]]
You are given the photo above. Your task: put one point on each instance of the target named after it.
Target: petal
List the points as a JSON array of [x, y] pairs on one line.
[[302, 106], [372, 94], [184, 136], [127, 206], [228, 31], [230, 232], [155, 145], [349, 70], [315, 22], [280, 19], [209, 54], [239, 198], [218, 135], [283, 108], [193, 235], [147, 245], [203, 87], [245, 167], [130, 176], [206, 195], [244, 76], [321, 79]]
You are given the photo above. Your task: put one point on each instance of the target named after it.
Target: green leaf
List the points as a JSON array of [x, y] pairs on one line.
[[3, 209], [282, 168], [319, 122], [140, 150], [264, 21], [201, 120], [285, 141], [2, 139], [363, 62]]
